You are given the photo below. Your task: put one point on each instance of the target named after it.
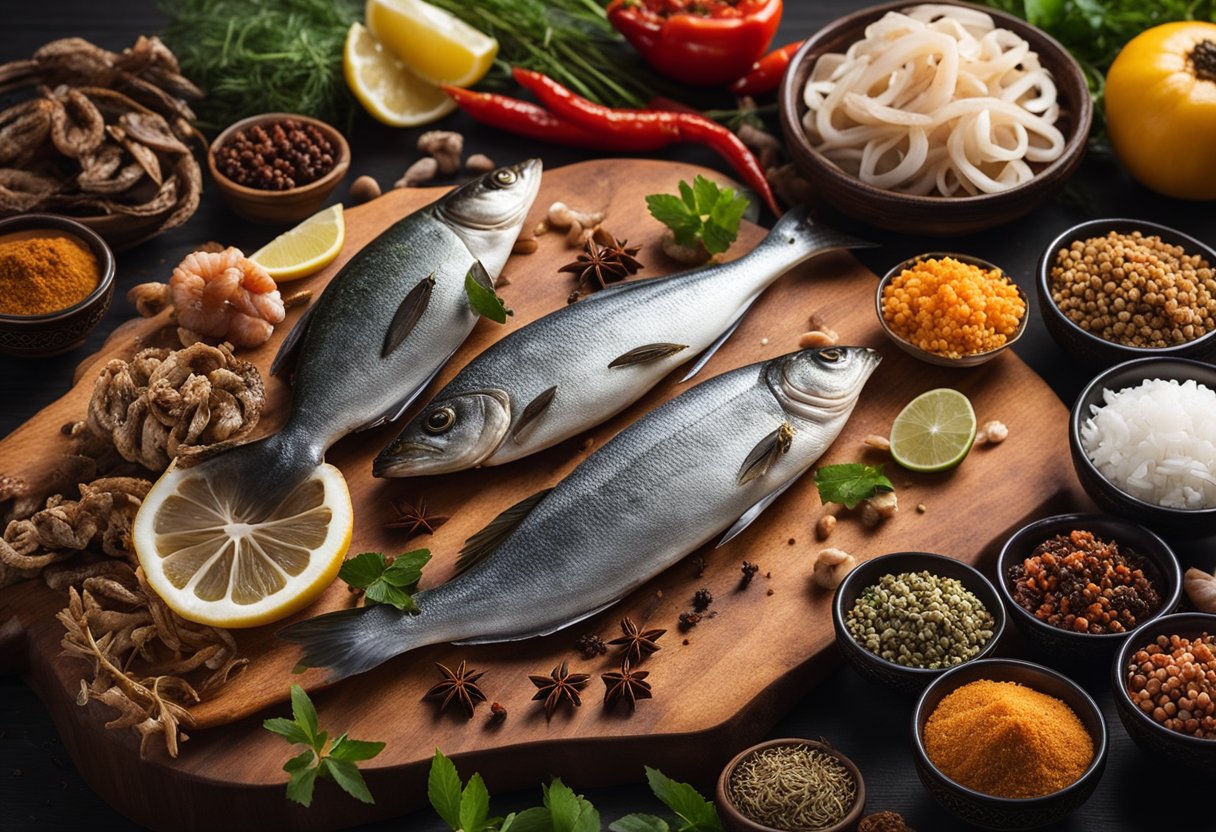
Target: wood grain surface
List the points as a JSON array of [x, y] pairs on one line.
[[740, 671]]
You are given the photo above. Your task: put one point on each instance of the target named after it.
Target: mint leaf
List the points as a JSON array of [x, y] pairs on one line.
[[536, 819], [385, 583], [851, 483], [704, 213], [683, 221], [563, 806], [443, 789], [698, 814], [382, 592], [474, 805], [363, 569], [305, 715], [288, 730], [300, 786], [722, 228], [406, 569], [482, 297], [302, 761], [639, 823], [348, 777], [345, 748]]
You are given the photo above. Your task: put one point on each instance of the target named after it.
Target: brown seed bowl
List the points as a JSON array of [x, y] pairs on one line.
[[987, 811], [973, 360], [63, 329], [1161, 567], [1094, 350], [1173, 523], [1147, 732], [279, 207], [908, 680], [940, 216], [734, 821]]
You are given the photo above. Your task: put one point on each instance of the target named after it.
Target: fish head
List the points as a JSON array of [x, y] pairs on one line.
[[821, 384], [489, 212], [448, 435]]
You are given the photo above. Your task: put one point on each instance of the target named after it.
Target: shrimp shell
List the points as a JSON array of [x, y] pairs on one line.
[[226, 295]]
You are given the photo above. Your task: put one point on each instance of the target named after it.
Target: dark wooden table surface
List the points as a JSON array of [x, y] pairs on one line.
[[39, 787]]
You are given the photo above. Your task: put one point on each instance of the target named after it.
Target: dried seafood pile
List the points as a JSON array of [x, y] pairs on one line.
[[108, 136]]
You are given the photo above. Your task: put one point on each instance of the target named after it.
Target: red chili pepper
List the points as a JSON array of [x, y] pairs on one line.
[[766, 73], [662, 102], [704, 42], [698, 128]]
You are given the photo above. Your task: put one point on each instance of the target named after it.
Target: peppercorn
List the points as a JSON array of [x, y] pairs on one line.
[[276, 155], [701, 599], [1173, 680], [688, 620]]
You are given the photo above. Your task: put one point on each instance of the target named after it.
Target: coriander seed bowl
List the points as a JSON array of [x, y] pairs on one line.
[[1006, 813], [904, 679], [972, 360]]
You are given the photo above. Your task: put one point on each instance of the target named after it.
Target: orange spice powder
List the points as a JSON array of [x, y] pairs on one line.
[[42, 272]]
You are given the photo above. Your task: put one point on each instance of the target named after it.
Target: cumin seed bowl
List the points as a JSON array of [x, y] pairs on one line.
[[56, 332], [908, 680], [1160, 567], [939, 216], [988, 811]]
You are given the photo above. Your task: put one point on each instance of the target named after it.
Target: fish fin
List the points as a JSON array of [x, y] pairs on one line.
[[766, 453], [646, 353], [408, 314], [289, 350], [533, 412], [485, 541], [348, 641], [547, 631], [716, 345], [397, 408], [747, 517]]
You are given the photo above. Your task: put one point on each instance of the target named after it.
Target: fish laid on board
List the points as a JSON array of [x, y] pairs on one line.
[[584, 363], [673, 480]]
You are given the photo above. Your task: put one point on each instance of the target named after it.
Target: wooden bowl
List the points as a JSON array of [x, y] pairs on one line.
[[988, 811], [734, 821], [973, 360], [1095, 350], [61, 330], [279, 207], [933, 215]]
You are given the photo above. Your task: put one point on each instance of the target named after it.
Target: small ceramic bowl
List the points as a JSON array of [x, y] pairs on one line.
[[734, 821], [909, 680], [1161, 567], [279, 207], [972, 360], [939, 216], [1174, 523], [63, 329], [1093, 349], [985, 810], [1147, 732]]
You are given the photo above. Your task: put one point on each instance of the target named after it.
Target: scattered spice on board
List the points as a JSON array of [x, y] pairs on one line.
[[276, 155], [626, 685], [498, 714], [701, 599], [1007, 740], [749, 571], [458, 686], [590, 645], [951, 308], [559, 686], [43, 271], [884, 822], [919, 619], [1082, 583], [415, 518], [1173, 680], [797, 787], [637, 643]]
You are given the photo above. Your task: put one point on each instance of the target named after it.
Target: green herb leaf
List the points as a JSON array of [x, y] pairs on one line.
[[406, 569], [443, 789], [363, 569], [347, 776], [482, 297], [851, 483], [474, 805], [640, 823], [304, 713], [698, 814], [673, 213], [536, 819], [350, 750], [288, 730], [570, 812], [385, 583], [704, 213], [385, 593], [300, 785]]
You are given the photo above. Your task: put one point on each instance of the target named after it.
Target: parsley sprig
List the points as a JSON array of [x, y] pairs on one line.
[[851, 483], [703, 213], [385, 582]]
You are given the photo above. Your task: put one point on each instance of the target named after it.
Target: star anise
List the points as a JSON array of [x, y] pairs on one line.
[[637, 643], [626, 684], [460, 686], [590, 645], [596, 262], [414, 518], [619, 249], [560, 685]]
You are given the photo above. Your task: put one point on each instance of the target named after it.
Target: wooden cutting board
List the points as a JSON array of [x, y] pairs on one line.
[[716, 687]]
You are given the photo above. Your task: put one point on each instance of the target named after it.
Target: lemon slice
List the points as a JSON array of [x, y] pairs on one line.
[[216, 565], [306, 249], [934, 432], [438, 46], [386, 87]]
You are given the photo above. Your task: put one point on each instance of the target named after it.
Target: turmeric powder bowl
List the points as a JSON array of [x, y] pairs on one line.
[[56, 280]]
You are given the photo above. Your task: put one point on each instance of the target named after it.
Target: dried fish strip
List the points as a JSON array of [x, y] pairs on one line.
[[77, 127], [23, 129]]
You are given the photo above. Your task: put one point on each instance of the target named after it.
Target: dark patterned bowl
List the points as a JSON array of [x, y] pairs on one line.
[[1174, 523], [1091, 349], [63, 329], [909, 680], [1161, 568], [1148, 734], [987, 811]]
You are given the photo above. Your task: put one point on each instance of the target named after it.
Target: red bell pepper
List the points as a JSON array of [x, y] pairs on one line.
[[766, 73], [704, 42]]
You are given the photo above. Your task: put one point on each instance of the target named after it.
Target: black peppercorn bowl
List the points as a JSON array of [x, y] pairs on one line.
[[1094, 350], [1160, 567], [61, 330], [1147, 732], [1172, 523], [908, 680], [1006, 813]]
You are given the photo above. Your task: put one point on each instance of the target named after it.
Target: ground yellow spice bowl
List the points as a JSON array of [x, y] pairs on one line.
[[59, 330]]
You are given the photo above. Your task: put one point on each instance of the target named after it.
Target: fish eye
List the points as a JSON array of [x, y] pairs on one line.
[[504, 176], [439, 421], [831, 355]]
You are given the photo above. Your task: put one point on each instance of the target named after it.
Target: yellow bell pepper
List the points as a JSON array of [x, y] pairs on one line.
[[1161, 108]]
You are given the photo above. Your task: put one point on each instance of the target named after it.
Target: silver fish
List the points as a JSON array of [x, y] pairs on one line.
[[584, 363], [658, 490]]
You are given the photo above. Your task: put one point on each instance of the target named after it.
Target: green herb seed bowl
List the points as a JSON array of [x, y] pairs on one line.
[[908, 680]]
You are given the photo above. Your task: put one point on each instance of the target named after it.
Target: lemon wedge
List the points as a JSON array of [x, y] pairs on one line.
[[438, 46], [306, 249], [385, 87], [215, 565]]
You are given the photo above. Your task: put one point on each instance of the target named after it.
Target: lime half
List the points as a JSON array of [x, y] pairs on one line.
[[934, 432]]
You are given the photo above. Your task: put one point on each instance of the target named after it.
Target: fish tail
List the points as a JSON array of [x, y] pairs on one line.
[[799, 237], [348, 642]]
